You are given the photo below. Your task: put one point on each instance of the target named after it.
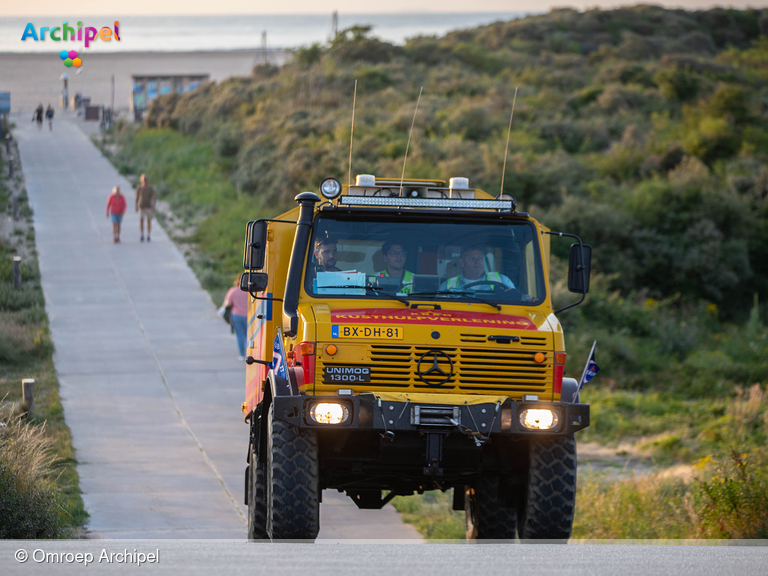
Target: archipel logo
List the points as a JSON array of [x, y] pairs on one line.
[[64, 33], [70, 58]]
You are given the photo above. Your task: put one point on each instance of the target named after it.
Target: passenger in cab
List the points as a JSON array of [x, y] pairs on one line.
[[473, 275], [325, 255], [395, 256]]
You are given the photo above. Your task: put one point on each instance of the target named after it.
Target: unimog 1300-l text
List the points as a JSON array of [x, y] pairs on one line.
[[401, 338]]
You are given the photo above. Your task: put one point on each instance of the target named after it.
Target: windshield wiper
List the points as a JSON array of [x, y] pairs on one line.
[[377, 291], [465, 293]]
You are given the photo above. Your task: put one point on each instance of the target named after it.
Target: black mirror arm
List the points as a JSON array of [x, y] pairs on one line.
[[581, 266], [253, 295]]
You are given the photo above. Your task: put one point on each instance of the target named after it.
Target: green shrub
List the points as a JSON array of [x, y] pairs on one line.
[[26, 296], [308, 55], [30, 506], [734, 502], [677, 84], [227, 141], [355, 45], [712, 139]]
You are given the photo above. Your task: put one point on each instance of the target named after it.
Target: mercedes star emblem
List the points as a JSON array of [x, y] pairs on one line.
[[435, 367]]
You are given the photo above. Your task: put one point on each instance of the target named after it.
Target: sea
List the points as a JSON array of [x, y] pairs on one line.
[[202, 33]]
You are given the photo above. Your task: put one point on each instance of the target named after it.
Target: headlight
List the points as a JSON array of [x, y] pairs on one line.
[[330, 188], [329, 413], [538, 419]]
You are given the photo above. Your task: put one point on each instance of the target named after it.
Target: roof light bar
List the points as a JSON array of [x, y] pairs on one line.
[[427, 202]]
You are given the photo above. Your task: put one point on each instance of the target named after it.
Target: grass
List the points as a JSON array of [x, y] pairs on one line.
[[724, 499], [432, 515], [31, 505], [673, 430], [26, 352]]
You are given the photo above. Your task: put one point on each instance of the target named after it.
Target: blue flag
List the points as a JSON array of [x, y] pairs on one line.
[[278, 357], [592, 369]]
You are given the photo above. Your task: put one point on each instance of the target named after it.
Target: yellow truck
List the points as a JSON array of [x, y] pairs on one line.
[[402, 338]]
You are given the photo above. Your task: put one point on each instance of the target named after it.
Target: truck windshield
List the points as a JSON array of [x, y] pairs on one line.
[[378, 256]]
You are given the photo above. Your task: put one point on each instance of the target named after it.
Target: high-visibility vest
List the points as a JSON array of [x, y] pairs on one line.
[[407, 281], [453, 283]]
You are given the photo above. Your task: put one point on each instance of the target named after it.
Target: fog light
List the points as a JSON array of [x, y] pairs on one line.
[[538, 419], [330, 188], [329, 413]]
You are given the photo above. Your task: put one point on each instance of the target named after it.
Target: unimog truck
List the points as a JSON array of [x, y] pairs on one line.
[[402, 338]]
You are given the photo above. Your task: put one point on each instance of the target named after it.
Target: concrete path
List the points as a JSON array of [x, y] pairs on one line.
[[150, 380]]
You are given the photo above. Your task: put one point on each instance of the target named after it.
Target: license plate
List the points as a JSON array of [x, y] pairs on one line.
[[367, 332], [346, 374]]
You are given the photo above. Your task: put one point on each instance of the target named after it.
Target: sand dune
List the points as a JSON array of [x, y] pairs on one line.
[[35, 78]]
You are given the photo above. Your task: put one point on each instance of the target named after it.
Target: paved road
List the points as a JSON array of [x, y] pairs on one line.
[[216, 557], [150, 381]]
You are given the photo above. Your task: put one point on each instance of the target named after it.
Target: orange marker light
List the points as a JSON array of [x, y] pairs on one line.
[[307, 348], [560, 358], [331, 349], [539, 357]]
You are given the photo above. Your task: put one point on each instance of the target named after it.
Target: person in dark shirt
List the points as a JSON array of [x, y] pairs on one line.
[[325, 255], [37, 115], [49, 116], [145, 201]]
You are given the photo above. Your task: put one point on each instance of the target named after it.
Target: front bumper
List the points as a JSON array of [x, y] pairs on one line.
[[445, 415]]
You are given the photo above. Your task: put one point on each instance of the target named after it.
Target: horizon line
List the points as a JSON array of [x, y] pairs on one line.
[[401, 12]]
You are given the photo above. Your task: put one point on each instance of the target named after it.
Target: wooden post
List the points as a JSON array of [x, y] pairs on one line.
[[17, 271], [15, 209], [27, 394]]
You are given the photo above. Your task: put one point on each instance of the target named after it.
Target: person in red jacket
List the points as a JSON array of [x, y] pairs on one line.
[[115, 209]]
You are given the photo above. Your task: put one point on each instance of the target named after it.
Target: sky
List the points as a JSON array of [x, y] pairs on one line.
[[119, 8]]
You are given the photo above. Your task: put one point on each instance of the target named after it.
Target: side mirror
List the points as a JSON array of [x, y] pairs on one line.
[[579, 266], [254, 281], [254, 250]]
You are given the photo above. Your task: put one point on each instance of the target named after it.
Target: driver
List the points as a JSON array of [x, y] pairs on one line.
[[394, 257], [472, 262], [325, 255]]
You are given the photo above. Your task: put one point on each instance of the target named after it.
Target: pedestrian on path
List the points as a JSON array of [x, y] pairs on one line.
[[37, 115], [49, 116], [145, 201], [238, 300], [116, 207]]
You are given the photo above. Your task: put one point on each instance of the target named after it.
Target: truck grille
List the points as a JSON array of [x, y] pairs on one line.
[[474, 369], [524, 340]]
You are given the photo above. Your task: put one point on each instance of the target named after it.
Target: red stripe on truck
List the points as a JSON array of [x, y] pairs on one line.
[[389, 315]]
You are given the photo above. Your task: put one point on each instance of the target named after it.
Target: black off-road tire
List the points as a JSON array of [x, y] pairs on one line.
[[293, 497], [257, 499], [486, 511], [549, 500]]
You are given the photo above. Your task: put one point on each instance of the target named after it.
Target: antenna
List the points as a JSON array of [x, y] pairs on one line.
[[506, 148], [352, 136], [402, 176], [264, 46]]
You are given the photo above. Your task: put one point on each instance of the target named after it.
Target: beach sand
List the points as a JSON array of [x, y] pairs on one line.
[[36, 78]]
